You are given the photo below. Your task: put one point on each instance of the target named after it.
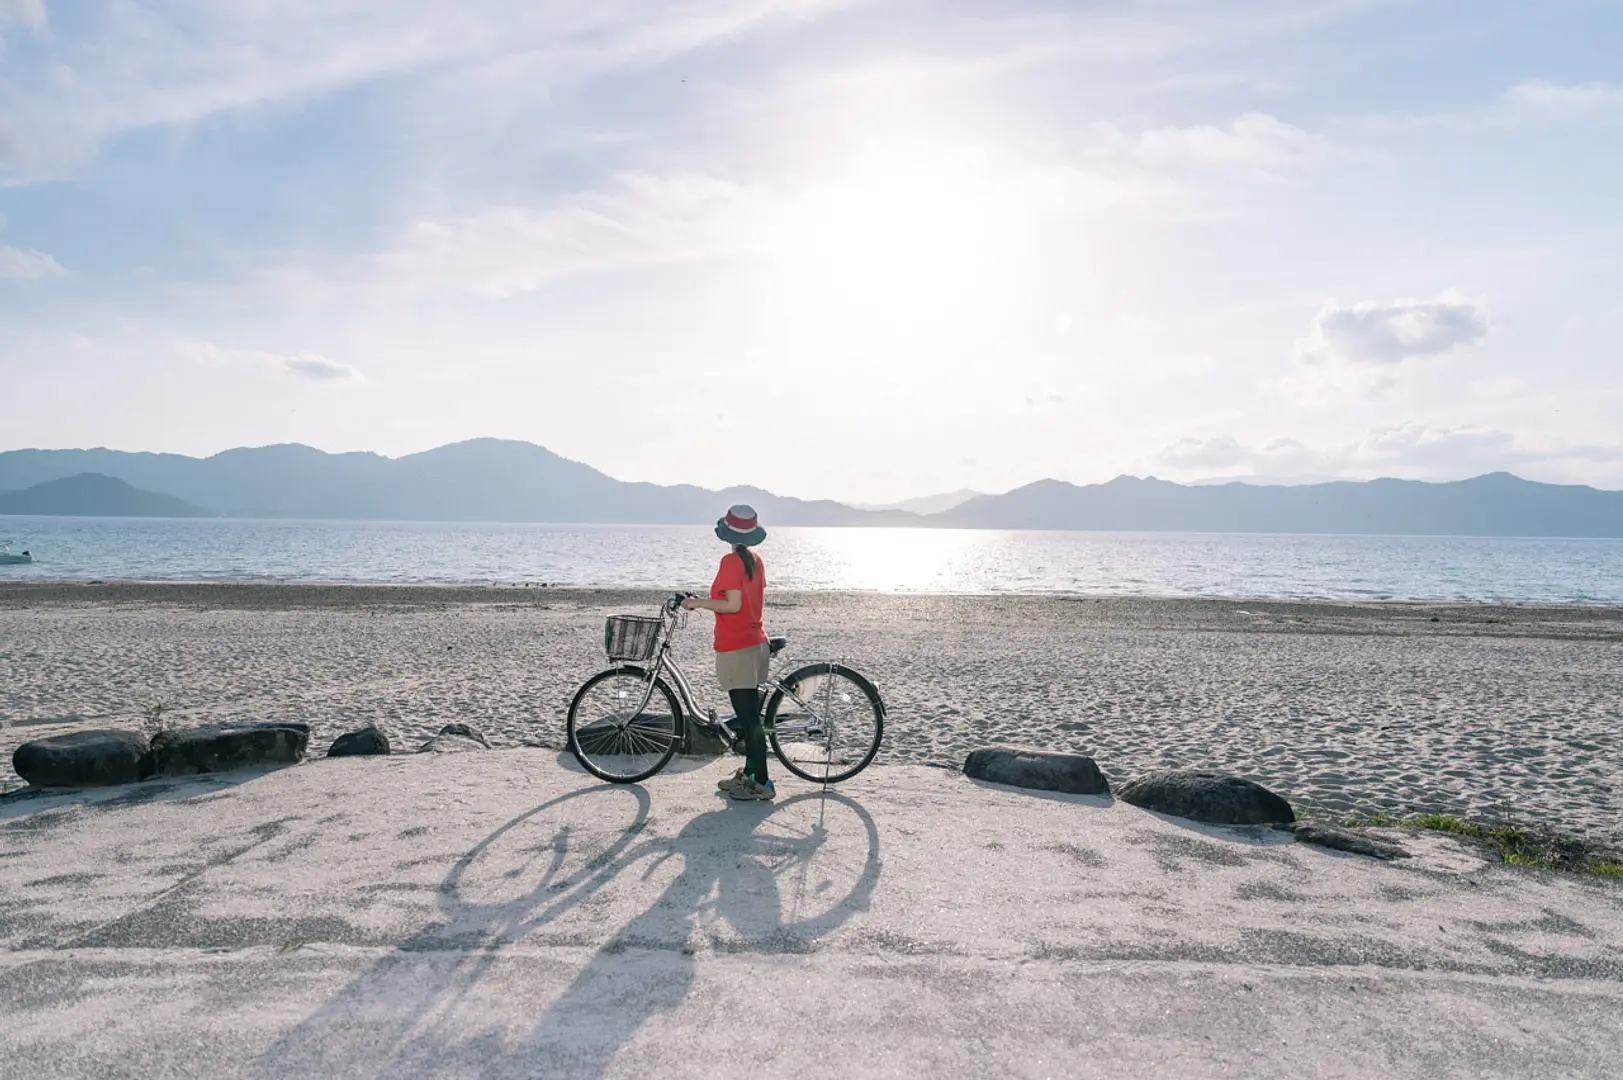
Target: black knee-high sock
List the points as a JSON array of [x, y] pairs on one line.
[[747, 706]]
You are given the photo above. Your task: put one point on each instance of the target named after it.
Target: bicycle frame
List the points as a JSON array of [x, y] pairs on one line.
[[664, 662]]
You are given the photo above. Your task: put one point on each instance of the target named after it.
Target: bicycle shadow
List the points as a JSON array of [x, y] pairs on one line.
[[736, 879]]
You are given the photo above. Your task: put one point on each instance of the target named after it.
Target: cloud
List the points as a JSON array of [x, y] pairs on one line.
[[1254, 144], [305, 365], [29, 13], [141, 64], [1535, 102], [1388, 335], [637, 220], [1562, 101], [19, 265], [1420, 445], [1218, 452], [1410, 449], [319, 368]]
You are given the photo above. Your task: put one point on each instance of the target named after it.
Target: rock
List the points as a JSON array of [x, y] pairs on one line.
[[84, 759], [215, 748], [466, 732], [1345, 840], [1212, 797], [367, 741], [1043, 770], [451, 742]]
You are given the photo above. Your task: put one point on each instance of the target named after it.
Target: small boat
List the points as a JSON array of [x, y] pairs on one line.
[[11, 558]]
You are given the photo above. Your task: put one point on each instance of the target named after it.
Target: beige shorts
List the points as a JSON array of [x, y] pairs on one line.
[[743, 669]]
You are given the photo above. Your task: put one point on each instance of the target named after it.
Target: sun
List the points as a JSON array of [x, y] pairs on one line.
[[904, 254]]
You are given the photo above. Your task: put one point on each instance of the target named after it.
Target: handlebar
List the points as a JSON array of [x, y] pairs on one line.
[[674, 604]]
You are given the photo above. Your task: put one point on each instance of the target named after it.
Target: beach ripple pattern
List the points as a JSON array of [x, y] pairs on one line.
[[1490, 712]]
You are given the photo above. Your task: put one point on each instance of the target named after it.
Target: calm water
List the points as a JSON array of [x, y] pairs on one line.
[[904, 560]]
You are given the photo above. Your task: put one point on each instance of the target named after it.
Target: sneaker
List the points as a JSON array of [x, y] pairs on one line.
[[737, 779], [749, 789]]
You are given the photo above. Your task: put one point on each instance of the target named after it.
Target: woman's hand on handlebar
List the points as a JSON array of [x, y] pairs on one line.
[[682, 601], [690, 602]]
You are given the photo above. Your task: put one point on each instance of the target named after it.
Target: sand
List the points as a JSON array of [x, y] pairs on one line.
[[496, 914], [1498, 712]]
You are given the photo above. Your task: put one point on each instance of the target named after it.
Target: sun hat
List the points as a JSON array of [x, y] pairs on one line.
[[740, 527]]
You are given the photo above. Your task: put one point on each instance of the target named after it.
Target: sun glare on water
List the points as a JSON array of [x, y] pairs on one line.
[[886, 559]]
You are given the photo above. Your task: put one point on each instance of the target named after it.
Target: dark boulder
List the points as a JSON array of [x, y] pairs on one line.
[[1211, 797], [84, 759], [453, 738], [1043, 770], [214, 748], [360, 743], [1357, 843], [466, 732]]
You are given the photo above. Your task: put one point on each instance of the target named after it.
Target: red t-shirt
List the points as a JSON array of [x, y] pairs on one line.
[[743, 629]]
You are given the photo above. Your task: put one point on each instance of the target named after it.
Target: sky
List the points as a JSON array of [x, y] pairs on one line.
[[834, 248]]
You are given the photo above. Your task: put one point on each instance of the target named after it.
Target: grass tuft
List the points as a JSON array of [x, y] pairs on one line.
[[1535, 848], [1447, 823], [153, 722]]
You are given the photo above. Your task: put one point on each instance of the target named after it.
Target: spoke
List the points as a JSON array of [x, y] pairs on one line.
[[634, 736], [635, 727], [652, 735]]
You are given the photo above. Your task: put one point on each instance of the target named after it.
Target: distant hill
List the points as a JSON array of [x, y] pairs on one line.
[[94, 495], [1497, 504], [498, 480], [480, 480], [925, 504]]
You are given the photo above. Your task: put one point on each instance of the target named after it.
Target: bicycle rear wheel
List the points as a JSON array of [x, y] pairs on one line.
[[832, 731], [614, 734]]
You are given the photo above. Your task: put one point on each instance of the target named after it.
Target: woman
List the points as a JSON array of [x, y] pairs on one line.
[[742, 655]]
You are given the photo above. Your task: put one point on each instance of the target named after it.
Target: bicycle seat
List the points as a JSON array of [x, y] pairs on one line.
[[774, 644]]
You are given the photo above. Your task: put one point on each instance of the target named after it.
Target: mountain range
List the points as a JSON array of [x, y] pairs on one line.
[[497, 480]]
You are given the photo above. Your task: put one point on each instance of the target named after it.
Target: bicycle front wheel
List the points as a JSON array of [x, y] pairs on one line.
[[825, 722], [620, 728]]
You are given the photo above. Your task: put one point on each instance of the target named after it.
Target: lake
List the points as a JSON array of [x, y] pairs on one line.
[[901, 560]]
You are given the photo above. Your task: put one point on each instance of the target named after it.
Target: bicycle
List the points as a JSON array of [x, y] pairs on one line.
[[824, 721]]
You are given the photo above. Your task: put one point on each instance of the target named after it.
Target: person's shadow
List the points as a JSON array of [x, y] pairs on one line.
[[756, 878]]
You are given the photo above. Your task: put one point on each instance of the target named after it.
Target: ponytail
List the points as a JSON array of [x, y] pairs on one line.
[[748, 558]]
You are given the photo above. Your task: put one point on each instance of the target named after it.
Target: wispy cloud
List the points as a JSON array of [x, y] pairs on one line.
[[1410, 449], [17, 264], [305, 365], [143, 64], [1562, 101], [1254, 144], [636, 220], [29, 13], [1215, 452], [319, 368], [1533, 103]]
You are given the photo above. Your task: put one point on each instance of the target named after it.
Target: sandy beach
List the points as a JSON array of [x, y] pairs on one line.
[[1481, 711], [497, 914]]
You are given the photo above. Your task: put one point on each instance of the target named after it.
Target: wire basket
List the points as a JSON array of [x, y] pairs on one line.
[[630, 637]]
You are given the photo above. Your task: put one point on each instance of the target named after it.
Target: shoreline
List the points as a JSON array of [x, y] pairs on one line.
[[320, 593], [475, 590]]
